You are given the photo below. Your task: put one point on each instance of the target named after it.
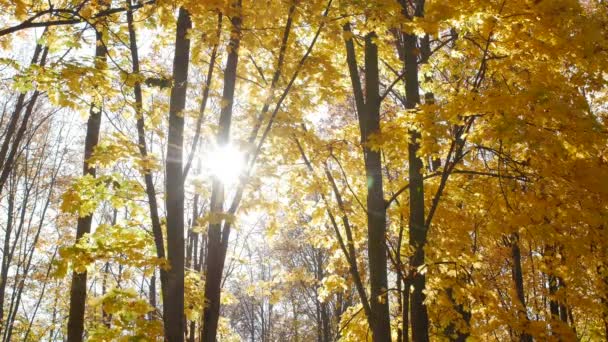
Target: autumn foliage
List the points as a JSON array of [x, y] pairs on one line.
[[299, 170]]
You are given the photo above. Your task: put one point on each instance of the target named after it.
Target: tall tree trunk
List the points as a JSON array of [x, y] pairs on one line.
[[368, 111], [376, 206], [42, 294], [518, 281], [418, 229], [152, 295], [408, 52], [106, 317], [5, 250], [147, 173], [405, 312], [217, 244], [558, 308], [174, 304], [78, 290], [553, 285], [191, 259], [12, 124], [9, 160]]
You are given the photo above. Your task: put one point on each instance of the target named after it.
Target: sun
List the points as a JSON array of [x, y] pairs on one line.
[[226, 163]]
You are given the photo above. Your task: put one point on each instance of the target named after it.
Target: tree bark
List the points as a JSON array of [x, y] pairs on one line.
[[217, 245], [7, 161], [174, 304], [78, 290], [12, 124], [368, 110], [518, 281], [418, 229], [5, 251], [143, 150], [407, 45], [376, 208]]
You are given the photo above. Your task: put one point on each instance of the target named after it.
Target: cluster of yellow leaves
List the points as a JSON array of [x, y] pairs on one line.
[[119, 148], [266, 289], [194, 298], [353, 325], [86, 193], [125, 244], [330, 285], [129, 321]]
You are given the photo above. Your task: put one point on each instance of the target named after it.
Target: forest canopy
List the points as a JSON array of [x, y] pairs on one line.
[[303, 170]]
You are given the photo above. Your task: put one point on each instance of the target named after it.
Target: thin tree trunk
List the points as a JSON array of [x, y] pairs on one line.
[[143, 150], [42, 293], [418, 230], [78, 290], [368, 110], [30, 254], [12, 155], [5, 250], [217, 245], [518, 280], [376, 207], [54, 317], [405, 312], [152, 295], [408, 52], [191, 259], [12, 125], [398, 282], [206, 89], [174, 304]]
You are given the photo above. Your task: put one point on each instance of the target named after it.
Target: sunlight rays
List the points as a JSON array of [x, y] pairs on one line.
[[226, 163]]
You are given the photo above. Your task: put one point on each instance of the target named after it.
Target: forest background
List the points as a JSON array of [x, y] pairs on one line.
[[291, 170]]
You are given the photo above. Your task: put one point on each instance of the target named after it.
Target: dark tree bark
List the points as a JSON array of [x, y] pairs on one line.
[[417, 227], [207, 87], [376, 208], [29, 254], [553, 284], [78, 290], [368, 110], [191, 257], [5, 250], [408, 52], [9, 149], [12, 124], [174, 304], [518, 281], [451, 332], [143, 150], [405, 312], [417, 231], [218, 244]]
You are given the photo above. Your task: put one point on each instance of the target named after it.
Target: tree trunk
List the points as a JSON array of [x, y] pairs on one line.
[[12, 124], [418, 229], [78, 290], [152, 295], [217, 245], [405, 312], [174, 304], [368, 111], [451, 332], [518, 280], [8, 161], [376, 208], [143, 150], [5, 251]]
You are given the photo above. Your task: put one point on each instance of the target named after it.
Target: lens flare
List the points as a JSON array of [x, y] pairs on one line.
[[226, 163]]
